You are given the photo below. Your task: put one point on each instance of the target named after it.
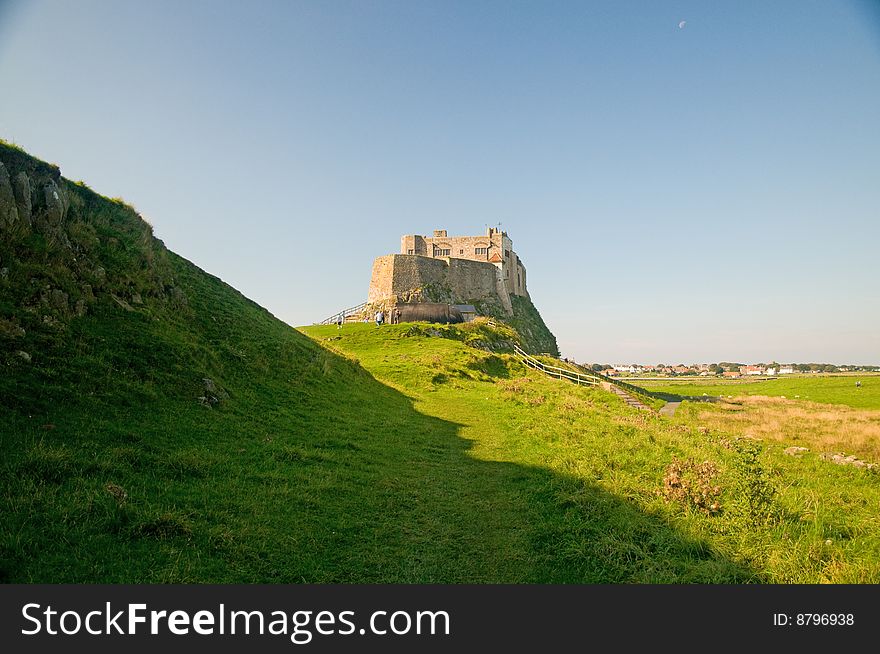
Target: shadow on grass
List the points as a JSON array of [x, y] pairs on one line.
[[336, 479], [416, 506]]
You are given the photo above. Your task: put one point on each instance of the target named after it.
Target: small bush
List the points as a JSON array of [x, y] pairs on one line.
[[755, 490], [693, 484]]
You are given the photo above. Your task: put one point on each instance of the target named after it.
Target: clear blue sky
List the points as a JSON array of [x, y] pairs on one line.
[[703, 193]]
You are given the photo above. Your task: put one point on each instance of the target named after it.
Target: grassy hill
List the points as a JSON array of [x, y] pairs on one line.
[[157, 426], [615, 495]]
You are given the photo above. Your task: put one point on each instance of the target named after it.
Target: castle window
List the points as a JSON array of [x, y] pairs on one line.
[[410, 251], [461, 251], [441, 252], [479, 251], [507, 254]]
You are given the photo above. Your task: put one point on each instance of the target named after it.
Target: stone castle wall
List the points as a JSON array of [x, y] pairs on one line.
[[405, 278], [462, 247], [480, 270], [493, 247]]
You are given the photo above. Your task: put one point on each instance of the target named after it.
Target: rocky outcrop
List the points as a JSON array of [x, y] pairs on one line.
[[843, 459], [22, 189], [213, 394], [8, 207], [53, 205], [64, 250], [32, 194]]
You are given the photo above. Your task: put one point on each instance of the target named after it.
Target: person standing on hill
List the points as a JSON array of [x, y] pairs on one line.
[[395, 316], [379, 317]]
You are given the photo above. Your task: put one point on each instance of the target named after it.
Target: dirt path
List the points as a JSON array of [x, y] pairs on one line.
[[669, 408]]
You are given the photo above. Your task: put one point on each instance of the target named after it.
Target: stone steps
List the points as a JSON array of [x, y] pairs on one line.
[[629, 399]]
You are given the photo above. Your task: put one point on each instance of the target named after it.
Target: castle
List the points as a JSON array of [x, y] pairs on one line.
[[445, 268], [478, 274], [495, 247]]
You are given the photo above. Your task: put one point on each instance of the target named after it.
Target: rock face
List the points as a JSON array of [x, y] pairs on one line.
[[8, 207], [54, 204], [30, 192], [64, 250], [22, 190], [213, 395]]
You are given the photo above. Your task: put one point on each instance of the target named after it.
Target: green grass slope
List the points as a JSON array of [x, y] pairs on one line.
[[357, 455], [598, 492]]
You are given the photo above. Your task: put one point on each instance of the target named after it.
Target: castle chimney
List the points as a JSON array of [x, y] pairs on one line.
[[439, 232]]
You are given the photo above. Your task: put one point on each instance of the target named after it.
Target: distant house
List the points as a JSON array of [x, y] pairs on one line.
[[731, 373], [770, 371], [752, 370], [786, 370]]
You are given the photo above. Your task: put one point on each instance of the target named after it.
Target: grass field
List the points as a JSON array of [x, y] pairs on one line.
[[827, 413], [396, 456], [157, 426], [596, 451], [826, 389]]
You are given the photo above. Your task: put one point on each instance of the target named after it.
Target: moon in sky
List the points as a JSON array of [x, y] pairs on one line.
[[682, 24]]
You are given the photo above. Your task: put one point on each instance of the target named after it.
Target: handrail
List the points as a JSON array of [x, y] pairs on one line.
[[637, 390], [553, 371], [593, 378], [345, 313]]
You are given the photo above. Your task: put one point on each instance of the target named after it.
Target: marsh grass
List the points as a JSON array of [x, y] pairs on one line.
[[820, 427]]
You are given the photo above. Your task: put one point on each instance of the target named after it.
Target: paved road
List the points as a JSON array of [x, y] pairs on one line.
[[669, 408]]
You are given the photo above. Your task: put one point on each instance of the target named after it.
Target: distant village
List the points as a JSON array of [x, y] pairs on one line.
[[727, 369]]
